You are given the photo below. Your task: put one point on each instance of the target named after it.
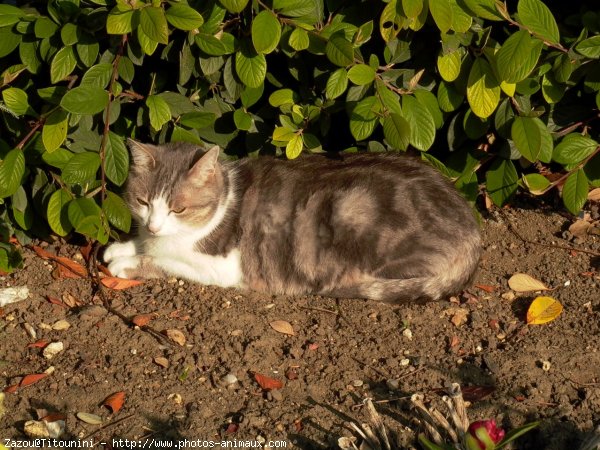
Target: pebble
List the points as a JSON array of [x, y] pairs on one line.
[[277, 395], [546, 366], [404, 362], [229, 379], [357, 383], [393, 384], [53, 349], [92, 312], [407, 333], [61, 325]]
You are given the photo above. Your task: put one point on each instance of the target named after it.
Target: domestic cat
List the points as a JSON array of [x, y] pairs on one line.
[[380, 226]]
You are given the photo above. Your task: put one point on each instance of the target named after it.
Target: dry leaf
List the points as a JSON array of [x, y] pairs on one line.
[[86, 251], [40, 343], [176, 336], [11, 389], [485, 287], [267, 383], [142, 319], [56, 301], [119, 283], [115, 401], [580, 228], [92, 419], [459, 316], [71, 301], [61, 325], [543, 310], [476, 393], [42, 253], [521, 282], [32, 378], [594, 194], [163, 362], [281, 326]]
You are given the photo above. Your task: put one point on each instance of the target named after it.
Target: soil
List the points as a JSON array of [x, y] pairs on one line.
[[342, 352]]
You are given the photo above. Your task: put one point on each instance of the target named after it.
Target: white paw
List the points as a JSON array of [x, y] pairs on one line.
[[119, 250], [125, 267]]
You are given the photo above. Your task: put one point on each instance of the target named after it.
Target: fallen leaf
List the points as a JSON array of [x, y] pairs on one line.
[[521, 282], [42, 253], [56, 301], [142, 319], [115, 401], [91, 419], [313, 346], [11, 389], [163, 362], [543, 310], [281, 326], [454, 341], [594, 194], [2, 409], [580, 228], [119, 283], [32, 378], [176, 336], [53, 417], [485, 287], [458, 317], [291, 373], [298, 425], [40, 343], [71, 301], [267, 383], [476, 393], [86, 251], [102, 268], [232, 428], [61, 325]]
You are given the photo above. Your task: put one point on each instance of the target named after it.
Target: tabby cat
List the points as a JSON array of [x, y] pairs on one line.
[[380, 226]]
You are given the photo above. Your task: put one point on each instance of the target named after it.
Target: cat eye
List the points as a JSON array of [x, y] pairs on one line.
[[142, 202], [179, 211]]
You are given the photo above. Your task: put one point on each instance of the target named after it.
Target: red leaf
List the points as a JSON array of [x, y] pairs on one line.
[[56, 301], [232, 428], [53, 417], [142, 319], [42, 253], [485, 287], [78, 270], [32, 378], [119, 283], [104, 270], [115, 401], [11, 389], [476, 393], [86, 251], [267, 383], [40, 343], [298, 425]]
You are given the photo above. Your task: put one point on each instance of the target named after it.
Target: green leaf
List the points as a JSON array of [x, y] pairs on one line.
[[159, 111], [396, 131], [183, 17], [148, 45], [486, 9], [563, 67], [55, 129], [12, 170], [98, 75], [28, 52], [116, 159], [483, 90], [552, 90], [448, 97], [57, 212], [10, 257], [211, 45], [68, 34], [266, 32], [575, 191], [44, 27], [518, 56], [412, 8], [10, 15], [361, 74], [119, 21], [62, 64], [515, 433], [9, 40], [84, 215], [198, 119], [422, 125], [449, 65], [532, 138], [125, 69], [81, 167], [294, 147], [153, 23], [87, 53], [391, 21], [234, 6], [441, 11], [16, 100], [589, 47], [536, 183], [501, 181], [299, 39], [427, 443], [250, 96], [573, 149], [85, 99], [428, 100], [242, 119], [461, 19], [539, 20], [116, 211], [283, 134], [282, 97], [339, 50], [390, 100], [337, 83], [363, 119], [250, 67]]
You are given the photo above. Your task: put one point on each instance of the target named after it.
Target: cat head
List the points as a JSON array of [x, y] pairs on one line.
[[174, 188]]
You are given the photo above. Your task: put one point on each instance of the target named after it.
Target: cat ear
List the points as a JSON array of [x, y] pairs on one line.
[[143, 154], [206, 165]]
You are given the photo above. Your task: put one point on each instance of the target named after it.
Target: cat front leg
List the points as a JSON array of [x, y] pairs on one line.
[[124, 261], [119, 250]]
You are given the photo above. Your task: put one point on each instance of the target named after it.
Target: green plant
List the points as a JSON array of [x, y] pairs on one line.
[[486, 93]]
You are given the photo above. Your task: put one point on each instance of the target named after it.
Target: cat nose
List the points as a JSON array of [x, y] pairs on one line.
[[153, 228]]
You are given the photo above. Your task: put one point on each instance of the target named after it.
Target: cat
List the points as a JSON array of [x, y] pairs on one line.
[[386, 227]]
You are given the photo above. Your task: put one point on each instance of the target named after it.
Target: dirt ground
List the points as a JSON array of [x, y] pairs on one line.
[[342, 352]]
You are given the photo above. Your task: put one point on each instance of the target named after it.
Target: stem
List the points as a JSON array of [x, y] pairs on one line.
[[566, 175], [115, 74]]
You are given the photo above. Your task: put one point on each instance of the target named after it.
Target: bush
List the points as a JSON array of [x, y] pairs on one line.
[[487, 93]]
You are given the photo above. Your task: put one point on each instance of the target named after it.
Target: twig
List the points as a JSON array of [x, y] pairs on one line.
[[314, 308], [111, 424], [374, 369]]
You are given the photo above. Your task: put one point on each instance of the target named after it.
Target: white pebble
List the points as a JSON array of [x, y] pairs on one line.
[[53, 349], [407, 333], [404, 362]]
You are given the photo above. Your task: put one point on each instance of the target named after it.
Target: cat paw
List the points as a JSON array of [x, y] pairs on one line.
[[125, 267], [119, 250]]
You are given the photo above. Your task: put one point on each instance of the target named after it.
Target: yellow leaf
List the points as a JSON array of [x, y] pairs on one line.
[[508, 88], [521, 282], [281, 326], [543, 310]]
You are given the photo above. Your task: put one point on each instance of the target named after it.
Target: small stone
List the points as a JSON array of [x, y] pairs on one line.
[[61, 325], [508, 296], [277, 395], [357, 383], [393, 384], [161, 361], [181, 282], [407, 333], [53, 349], [404, 362], [133, 351], [30, 330], [236, 332], [546, 366], [229, 379]]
